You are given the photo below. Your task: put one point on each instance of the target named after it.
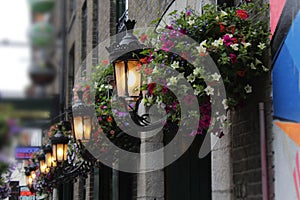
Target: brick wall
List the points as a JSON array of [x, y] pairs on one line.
[[246, 151]]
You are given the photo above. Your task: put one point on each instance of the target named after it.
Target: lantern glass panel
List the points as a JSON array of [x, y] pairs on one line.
[[29, 180], [54, 152], [43, 166], [87, 127], [120, 78], [49, 159], [78, 127], [60, 153], [134, 78], [65, 151], [33, 175]]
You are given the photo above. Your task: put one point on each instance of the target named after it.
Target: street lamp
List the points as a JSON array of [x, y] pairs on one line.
[[59, 145], [82, 119], [48, 156], [125, 57], [42, 163], [28, 176]]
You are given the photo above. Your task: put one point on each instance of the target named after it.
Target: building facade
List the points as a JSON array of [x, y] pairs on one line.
[[241, 164]]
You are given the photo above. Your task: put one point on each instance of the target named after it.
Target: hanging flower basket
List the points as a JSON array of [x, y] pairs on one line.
[[42, 73], [41, 6], [41, 34]]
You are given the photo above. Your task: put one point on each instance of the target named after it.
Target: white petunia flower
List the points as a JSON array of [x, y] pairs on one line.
[[261, 45], [191, 22], [252, 66], [202, 48], [175, 65], [203, 43], [209, 90], [223, 13], [218, 42], [197, 71], [246, 44], [216, 76], [172, 81], [235, 47], [191, 78], [248, 88], [225, 104]]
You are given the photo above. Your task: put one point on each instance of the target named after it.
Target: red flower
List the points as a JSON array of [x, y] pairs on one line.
[[231, 29], [242, 14], [104, 62], [148, 71], [151, 87], [222, 27], [109, 119], [241, 73], [138, 67], [143, 38], [144, 60]]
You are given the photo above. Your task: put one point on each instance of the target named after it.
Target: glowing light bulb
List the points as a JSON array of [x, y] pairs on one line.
[[131, 79]]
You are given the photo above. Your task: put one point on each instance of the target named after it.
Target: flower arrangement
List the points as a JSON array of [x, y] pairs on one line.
[[235, 38]]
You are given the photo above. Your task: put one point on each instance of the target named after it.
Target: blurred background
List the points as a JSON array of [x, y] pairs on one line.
[[27, 89]]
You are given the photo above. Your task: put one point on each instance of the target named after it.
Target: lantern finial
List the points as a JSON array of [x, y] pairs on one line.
[[129, 24]]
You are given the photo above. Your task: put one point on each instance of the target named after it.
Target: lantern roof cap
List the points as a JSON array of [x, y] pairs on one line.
[[41, 156], [129, 44], [59, 137], [80, 108]]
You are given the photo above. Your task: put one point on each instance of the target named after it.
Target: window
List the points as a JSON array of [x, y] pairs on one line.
[[95, 23], [121, 17], [83, 31], [95, 38], [71, 67], [122, 6]]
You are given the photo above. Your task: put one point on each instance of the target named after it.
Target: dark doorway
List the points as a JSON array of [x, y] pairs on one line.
[[189, 177]]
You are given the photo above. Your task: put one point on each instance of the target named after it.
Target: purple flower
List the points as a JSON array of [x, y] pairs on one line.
[[205, 121], [165, 90], [169, 27], [232, 58], [188, 13], [167, 45], [103, 107], [227, 40], [183, 31]]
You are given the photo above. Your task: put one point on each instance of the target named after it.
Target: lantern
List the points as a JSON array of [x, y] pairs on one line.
[[49, 160], [82, 119], [42, 163], [59, 145], [126, 58], [28, 176]]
